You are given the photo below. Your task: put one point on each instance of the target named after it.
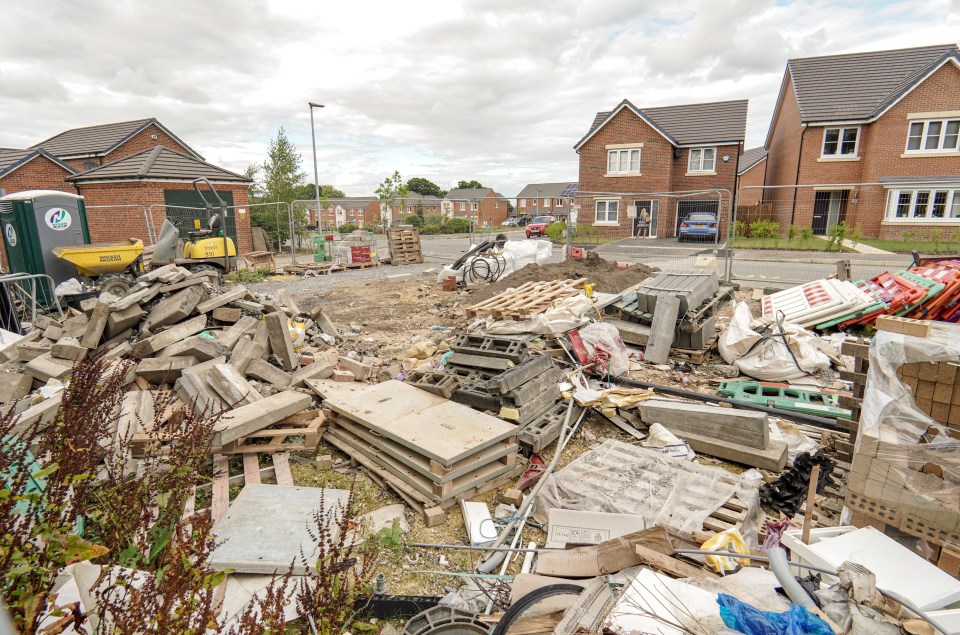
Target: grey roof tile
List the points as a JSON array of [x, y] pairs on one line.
[[159, 163], [689, 124], [100, 139], [859, 86], [545, 190], [750, 158], [13, 158]]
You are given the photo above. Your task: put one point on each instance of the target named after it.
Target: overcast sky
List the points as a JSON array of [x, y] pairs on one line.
[[494, 90]]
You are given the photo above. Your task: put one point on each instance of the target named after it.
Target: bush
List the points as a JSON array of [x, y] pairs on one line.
[[555, 231], [415, 220], [740, 229], [457, 226], [764, 229], [347, 228], [837, 235], [806, 233]]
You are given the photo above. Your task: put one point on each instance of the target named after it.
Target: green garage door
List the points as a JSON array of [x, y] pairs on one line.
[[179, 201]]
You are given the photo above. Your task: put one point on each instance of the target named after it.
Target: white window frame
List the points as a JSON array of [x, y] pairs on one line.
[[839, 154], [925, 135], [523, 202], [559, 202], [463, 207], [617, 163], [923, 200], [698, 167], [606, 202], [474, 206]]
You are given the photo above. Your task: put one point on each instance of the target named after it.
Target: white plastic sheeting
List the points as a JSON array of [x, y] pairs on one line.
[[767, 357], [515, 255], [620, 478], [561, 317]]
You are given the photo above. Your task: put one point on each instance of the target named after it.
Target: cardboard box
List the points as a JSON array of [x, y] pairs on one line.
[[569, 526]]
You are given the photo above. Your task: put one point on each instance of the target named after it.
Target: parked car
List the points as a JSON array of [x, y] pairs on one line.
[[538, 226], [511, 222], [699, 225]]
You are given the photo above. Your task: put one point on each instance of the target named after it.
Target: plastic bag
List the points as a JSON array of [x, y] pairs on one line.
[[605, 348], [668, 443], [298, 333], [68, 287], [768, 358], [729, 540], [752, 621]]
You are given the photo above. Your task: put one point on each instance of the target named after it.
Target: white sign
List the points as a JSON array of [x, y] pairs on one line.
[[58, 218], [11, 235], [631, 211]]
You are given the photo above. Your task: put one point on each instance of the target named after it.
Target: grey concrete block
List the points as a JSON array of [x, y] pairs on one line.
[[746, 427], [280, 344]]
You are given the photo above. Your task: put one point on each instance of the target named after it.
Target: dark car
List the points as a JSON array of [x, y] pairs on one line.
[[699, 225], [538, 226], [511, 222]]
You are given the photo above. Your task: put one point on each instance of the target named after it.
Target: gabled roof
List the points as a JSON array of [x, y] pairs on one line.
[[158, 163], [547, 190], [12, 159], [861, 86], [102, 139], [351, 201], [750, 158], [471, 194], [687, 124]]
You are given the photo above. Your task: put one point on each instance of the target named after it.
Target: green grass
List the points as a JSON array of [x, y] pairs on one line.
[[797, 244], [925, 247]]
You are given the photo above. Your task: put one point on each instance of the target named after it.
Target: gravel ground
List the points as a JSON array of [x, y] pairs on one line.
[[296, 284]]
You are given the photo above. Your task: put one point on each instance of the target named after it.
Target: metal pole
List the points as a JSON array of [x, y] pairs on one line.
[[316, 173]]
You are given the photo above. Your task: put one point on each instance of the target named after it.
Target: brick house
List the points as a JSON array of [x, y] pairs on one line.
[[160, 182], [482, 204], [870, 139], [751, 172], [541, 199], [128, 166], [360, 210], [631, 157]]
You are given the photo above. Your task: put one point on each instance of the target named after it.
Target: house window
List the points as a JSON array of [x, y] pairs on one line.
[[607, 212], [463, 207], [840, 142], [622, 162], [473, 206], [523, 202], [933, 135], [559, 203], [702, 160], [546, 202], [924, 204]]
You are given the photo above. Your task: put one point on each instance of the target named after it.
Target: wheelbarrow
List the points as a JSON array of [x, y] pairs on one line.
[[113, 266]]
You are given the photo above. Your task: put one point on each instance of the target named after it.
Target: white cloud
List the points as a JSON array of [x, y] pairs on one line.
[[496, 90]]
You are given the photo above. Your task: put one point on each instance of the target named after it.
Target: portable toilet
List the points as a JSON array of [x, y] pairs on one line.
[[36, 221]]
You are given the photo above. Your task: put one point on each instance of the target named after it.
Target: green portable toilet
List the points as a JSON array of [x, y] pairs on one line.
[[36, 221]]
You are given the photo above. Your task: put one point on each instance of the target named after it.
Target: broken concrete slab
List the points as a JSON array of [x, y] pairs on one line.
[[232, 387], [230, 337], [53, 332], [199, 346], [744, 427], [69, 348], [343, 376], [773, 458], [326, 324], [280, 342], [27, 351], [173, 309], [359, 369], [222, 299], [14, 386], [205, 367], [258, 415], [287, 301], [481, 361], [319, 369], [264, 371], [143, 295], [75, 326], [193, 389], [120, 321], [662, 329], [158, 370], [249, 349], [46, 367], [170, 336], [227, 314], [96, 325], [40, 414]]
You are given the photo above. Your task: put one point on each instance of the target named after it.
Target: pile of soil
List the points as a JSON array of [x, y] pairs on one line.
[[604, 274]]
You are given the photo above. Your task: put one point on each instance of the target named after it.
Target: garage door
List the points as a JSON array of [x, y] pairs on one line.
[[685, 208]]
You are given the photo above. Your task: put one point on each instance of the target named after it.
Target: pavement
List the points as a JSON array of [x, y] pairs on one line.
[[750, 267]]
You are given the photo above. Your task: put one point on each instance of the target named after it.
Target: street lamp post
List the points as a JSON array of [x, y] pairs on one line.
[[316, 173]]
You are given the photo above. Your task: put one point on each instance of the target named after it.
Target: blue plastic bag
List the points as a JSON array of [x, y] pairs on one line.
[[752, 621]]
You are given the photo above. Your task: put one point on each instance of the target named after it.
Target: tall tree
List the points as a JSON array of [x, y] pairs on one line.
[[424, 187], [391, 192], [307, 192], [280, 177], [469, 185]]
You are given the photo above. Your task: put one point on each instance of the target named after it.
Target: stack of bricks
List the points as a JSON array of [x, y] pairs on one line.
[[935, 389]]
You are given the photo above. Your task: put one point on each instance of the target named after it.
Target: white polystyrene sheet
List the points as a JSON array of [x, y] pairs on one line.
[[897, 568], [656, 603]]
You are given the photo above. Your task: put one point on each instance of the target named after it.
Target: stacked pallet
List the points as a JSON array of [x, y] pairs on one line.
[[528, 300], [504, 377], [404, 243], [431, 451]]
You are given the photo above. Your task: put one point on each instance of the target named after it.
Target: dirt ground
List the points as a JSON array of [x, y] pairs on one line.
[[381, 319]]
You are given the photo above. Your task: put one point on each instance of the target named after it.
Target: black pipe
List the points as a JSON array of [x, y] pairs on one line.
[[820, 422]]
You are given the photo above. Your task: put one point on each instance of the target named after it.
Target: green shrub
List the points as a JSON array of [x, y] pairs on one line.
[[908, 235], [764, 229], [457, 226], [555, 231], [837, 234], [740, 229], [347, 228], [806, 233], [416, 220], [936, 235], [792, 232]]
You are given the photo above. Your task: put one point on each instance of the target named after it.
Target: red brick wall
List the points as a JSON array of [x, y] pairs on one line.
[[40, 173], [120, 223], [137, 143], [660, 171], [491, 210], [753, 177]]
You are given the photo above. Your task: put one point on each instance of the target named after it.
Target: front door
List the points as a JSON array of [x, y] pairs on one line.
[[829, 210], [645, 223]]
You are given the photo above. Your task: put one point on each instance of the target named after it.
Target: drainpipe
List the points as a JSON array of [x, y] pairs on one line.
[[796, 178]]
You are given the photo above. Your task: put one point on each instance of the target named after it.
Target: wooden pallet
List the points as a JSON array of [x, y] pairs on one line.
[[527, 300], [252, 474], [695, 357], [290, 435], [359, 265], [321, 268], [260, 260], [404, 246]]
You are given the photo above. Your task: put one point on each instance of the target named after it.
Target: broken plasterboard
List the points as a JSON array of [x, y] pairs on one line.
[[480, 526], [267, 526], [570, 526]]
